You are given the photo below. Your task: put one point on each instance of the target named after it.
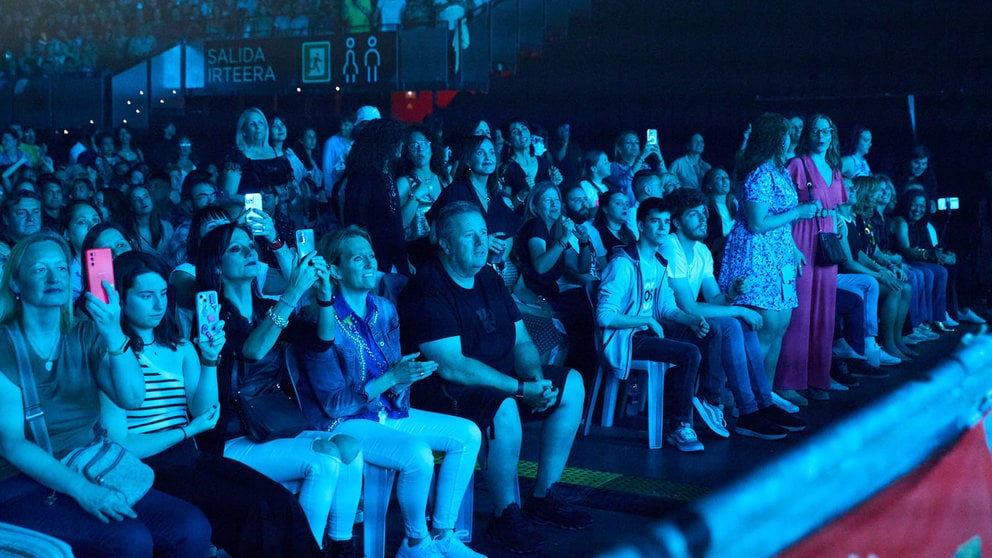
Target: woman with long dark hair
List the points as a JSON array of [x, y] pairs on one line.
[[251, 515]]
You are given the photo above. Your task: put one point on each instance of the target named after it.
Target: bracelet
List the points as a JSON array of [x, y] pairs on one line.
[[277, 244], [185, 434], [123, 349], [209, 362], [563, 244], [520, 389], [280, 323], [325, 303], [283, 300]]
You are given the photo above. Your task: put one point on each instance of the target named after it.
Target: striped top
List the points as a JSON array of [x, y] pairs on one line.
[[164, 407]]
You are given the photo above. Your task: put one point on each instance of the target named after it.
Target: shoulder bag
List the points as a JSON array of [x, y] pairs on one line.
[[102, 461], [828, 248], [269, 414]]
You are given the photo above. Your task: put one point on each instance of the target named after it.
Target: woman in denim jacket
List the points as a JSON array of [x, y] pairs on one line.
[[360, 387]]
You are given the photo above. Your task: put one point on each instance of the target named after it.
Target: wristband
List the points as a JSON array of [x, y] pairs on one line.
[[277, 244], [209, 362], [280, 323], [122, 350], [185, 434], [325, 303], [520, 389]]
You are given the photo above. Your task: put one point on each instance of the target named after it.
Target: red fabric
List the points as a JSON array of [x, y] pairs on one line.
[[931, 512]]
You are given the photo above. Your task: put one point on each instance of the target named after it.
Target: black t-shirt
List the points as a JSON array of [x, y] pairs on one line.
[[434, 307], [544, 284], [499, 218]]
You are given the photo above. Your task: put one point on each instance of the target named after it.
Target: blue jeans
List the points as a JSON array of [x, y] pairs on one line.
[[732, 356], [166, 526]]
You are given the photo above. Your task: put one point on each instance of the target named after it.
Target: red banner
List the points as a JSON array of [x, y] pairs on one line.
[[939, 510]]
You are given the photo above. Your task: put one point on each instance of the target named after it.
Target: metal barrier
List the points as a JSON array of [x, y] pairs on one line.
[[832, 472]]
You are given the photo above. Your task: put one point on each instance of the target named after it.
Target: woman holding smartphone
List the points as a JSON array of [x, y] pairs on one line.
[[361, 387], [254, 360], [250, 514]]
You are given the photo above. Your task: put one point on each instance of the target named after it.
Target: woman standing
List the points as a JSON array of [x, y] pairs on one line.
[[805, 363], [253, 162], [74, 365], [250, 514], [143, 222], [125, 150], [722, 208], [361, 387], [761, 252], [418, 185], [477, 183], [254, 360], [595, 169], [523, 168], [854, 163]]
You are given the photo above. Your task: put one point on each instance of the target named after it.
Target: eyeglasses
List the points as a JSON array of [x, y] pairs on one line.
[[822, 132], [422, 144]]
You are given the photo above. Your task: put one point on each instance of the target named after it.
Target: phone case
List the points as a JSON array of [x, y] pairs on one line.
[[99, 268], [304, 242], [207, 313], [253, 202]]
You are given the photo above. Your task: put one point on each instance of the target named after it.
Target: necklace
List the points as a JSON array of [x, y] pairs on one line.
[[52, 353], [482, 194], [351, 331]]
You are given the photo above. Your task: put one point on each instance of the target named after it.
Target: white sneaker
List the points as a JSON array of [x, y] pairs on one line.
[[452, 547], [426, 549], [842, 349], [949, 321], [970, 317], [886, 359], [783, 404], [712, 416]]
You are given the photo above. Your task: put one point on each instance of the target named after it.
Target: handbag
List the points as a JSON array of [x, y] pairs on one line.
[[102, 461], [828, 249], [269, 414]]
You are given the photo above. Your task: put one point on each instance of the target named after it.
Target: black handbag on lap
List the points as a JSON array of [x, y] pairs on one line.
[[271, 413]]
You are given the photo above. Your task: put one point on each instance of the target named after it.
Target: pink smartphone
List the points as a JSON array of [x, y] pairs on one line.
[[99, 268], [207, 314]]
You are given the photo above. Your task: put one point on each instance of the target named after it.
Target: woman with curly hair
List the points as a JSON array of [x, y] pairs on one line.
[[760, 249], [371, 199]]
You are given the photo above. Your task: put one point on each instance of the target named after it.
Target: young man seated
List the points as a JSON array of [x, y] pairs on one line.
[[457, 312], [731, 353], [634, 296]]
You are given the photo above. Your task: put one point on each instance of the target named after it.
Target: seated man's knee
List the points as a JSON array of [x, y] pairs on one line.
[[348, 447], [575, 389], [507, 420]]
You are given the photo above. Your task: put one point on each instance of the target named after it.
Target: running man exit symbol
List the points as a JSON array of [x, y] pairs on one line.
[[316, 62]]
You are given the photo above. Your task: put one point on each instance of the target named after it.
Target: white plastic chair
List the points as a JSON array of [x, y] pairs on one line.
[[654, 392]]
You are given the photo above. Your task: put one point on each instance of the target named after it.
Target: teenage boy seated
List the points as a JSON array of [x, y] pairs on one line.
[[634, 296], [731, 353]]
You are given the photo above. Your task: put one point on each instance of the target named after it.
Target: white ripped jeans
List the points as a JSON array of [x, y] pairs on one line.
[[407, 445]]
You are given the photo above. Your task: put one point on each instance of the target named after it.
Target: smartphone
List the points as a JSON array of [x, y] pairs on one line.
[[253, 202], [207, 314], [942, 204], [652, 136], [304, 242], [953, 203], [99, 268], [538, 143]]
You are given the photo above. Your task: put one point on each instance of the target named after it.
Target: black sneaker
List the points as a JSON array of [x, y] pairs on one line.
[[780, 418], [757, 426], [865, 370], [515, 533], [841, 373], [552, 510], [341, 549]]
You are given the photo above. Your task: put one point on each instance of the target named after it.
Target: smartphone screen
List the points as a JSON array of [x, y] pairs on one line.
[[942, 204], [253, 202], [953, 203], [304, 242], [538, 143], [652, 136], [99, 268], [207, 314]]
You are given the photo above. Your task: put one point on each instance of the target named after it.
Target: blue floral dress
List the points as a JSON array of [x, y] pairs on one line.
[[766, 259]]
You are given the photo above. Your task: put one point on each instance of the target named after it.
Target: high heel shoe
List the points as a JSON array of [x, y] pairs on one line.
[[943, 327]]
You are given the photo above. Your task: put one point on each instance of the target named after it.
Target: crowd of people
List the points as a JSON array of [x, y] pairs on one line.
[[418, 292], [101, 35]]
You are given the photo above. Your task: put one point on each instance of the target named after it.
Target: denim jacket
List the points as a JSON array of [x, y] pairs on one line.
[[331, 387]]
